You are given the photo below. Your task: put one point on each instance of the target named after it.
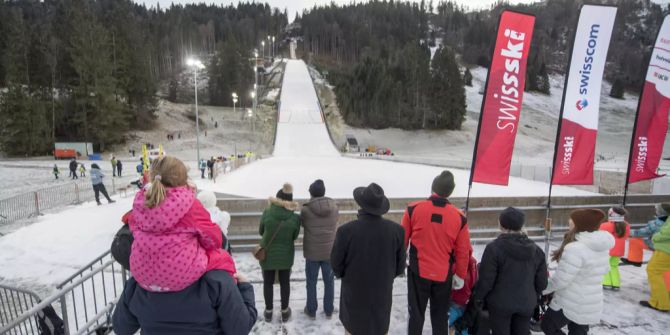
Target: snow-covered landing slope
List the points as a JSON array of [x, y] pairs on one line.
[[304, 152], [301, 130]]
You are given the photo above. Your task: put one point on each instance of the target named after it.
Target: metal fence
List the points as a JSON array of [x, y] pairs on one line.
[[84, 301], [13, 303], [31, 204]]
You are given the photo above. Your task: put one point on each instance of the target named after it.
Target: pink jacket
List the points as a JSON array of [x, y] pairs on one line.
[[175, 243]]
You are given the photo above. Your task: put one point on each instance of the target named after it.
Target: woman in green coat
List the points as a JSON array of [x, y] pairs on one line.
[[279, 218]]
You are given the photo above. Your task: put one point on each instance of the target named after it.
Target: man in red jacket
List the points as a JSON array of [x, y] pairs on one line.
[[438, 240]]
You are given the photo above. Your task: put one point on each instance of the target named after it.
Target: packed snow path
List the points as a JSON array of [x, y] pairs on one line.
[[304, 152]]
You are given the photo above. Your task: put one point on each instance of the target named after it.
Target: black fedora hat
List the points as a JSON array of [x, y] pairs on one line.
[[372, 199]]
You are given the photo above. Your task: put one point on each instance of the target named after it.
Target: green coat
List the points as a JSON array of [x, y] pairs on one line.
[[662, 239], [281, 252]]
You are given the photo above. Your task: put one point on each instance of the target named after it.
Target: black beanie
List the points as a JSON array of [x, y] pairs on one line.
[[317, 189], [443, 184], [286, 192], [512, 219]]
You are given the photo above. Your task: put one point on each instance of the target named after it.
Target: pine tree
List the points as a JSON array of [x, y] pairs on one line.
[[100, 114], [447, 94]]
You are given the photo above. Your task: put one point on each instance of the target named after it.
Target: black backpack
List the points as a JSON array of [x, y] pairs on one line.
[[49, 323]]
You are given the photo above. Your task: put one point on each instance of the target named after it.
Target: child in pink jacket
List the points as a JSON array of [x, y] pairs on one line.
[[175, 240]]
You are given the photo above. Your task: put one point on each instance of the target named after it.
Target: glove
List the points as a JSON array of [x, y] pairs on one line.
[[457, 283]]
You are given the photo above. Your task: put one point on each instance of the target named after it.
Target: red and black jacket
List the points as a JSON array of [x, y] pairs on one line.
[[436, 231]]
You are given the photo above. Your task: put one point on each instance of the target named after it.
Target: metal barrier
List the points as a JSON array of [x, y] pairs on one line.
[[85, 300], [13, 303], [31, 204]]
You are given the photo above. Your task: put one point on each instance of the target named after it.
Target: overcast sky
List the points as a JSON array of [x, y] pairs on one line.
[[294, 6]]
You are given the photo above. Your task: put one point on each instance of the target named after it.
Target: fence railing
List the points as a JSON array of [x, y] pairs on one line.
[[31, 204], [84, 301], [13, 303]]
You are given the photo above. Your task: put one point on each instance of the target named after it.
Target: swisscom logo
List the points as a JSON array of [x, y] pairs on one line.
[[587, 66], [581, 104]]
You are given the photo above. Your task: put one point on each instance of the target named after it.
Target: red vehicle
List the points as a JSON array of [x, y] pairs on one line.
[[65, 153]]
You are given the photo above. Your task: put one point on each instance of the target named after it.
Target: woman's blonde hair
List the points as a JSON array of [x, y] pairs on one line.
[[165, 172]]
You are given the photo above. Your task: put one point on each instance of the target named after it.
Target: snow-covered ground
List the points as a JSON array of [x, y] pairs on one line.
[[51, 249], [304, 152]]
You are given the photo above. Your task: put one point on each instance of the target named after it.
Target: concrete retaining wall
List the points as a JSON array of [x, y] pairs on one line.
[[482, 217]]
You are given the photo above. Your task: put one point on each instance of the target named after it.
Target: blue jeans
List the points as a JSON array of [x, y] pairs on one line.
[[312, 274], [455, 312]]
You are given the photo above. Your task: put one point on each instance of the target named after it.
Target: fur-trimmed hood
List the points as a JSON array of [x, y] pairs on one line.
[[290, 205]]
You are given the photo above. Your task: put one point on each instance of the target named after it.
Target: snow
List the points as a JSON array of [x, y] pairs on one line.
[[304, 152], [57, 245], [301, 129]]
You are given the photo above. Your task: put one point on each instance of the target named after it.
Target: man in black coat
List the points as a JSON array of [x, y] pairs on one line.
[[512, 276], [368, 254], [73, 169]]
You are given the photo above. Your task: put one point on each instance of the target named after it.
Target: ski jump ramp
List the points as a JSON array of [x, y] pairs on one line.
[[301, 130], [304, 152]]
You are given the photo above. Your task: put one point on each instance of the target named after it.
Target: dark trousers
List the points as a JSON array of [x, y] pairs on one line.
[[419, 292], [100, 188], [284, 287], [509, 324], [119, 172], [554, 321], [73, 174]]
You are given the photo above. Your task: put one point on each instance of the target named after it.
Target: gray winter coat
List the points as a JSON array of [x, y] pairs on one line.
[[96, 176], [319, 217]]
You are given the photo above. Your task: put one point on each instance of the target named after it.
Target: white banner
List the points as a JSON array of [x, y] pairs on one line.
[[592, 40], [576, 143]]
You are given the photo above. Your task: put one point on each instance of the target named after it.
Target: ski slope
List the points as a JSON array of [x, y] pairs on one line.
[[304, 152], [301, 130]]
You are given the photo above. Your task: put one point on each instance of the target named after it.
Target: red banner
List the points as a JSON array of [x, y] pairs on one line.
[[501, 107], [652, 115]]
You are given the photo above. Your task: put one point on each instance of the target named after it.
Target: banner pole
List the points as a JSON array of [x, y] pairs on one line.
[[547, 219], [637, 117], [481, 116]]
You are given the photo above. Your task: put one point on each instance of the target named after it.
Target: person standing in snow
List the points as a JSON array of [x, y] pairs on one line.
[[56, 172], [82, 170], [461, 298], [73, 169], [583, 260], [221, 218], [620, 230], [210, 168], [319, 219], [119, 167], [658, 272], [98, 186], [438, 239], [368, 254], [641, 239], [512, 276], [202, 166], [279, 229], [113, 161]]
